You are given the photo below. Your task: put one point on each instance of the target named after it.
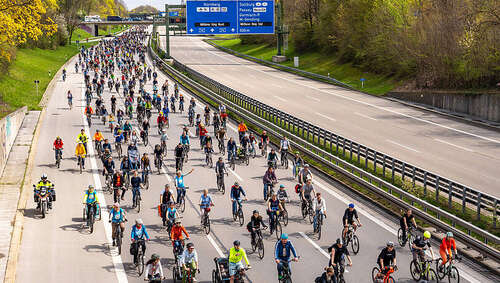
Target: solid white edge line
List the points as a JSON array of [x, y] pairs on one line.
[[214, 244], [365, 116], [314, 245], [403, 146], [121, 276]]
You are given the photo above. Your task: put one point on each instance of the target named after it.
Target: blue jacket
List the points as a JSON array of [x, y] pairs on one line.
[[184, 140], [137, 234], [236, 192], [278, 251]]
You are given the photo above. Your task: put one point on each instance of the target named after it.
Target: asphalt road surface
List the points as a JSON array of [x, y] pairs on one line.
[[466, 153], [59, 249]]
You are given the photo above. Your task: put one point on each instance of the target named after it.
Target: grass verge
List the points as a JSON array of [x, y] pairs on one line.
[[318, 63], [80, 34], [17, 87]]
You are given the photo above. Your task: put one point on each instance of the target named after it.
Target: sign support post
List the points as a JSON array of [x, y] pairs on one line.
[[279, 26], [167, 31]]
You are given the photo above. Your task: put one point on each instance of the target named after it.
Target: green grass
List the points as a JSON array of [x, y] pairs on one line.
[[80, 34], [17, 88], [318, 63]]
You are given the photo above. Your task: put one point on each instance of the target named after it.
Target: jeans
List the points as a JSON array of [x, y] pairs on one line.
[[316, 216], [281, 264], [266, 187], [137, 245], [178, 246], [180, 191], [241, 135], [136, 191], [230, 153], [273, 217], [144, 173], [58, 151], [235, 205]]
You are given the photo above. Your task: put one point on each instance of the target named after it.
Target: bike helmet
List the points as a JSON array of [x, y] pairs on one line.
[[449, 235], [284, 236], [339, 241], [255, 211], [139, 221], [282, 186], [190, 245], [390, 244], [155, 257], [116, 204], [236, 243], [44, 176], [91, 187], [306, 166], [236, 183], [351, 205], [427, 234]]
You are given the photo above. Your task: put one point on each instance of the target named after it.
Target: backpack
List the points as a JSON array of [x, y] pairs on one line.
[[298, 188]]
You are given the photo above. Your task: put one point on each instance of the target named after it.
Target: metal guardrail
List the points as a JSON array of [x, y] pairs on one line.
[[257, 115], [281, 67]]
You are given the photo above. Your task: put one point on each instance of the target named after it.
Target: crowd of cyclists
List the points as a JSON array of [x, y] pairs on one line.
[[120, 63]]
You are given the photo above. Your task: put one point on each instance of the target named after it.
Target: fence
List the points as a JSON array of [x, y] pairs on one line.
[[278, 123], [9, 126]]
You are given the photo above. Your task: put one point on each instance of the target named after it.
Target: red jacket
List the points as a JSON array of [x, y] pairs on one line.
[[58, 145], [203, 132]]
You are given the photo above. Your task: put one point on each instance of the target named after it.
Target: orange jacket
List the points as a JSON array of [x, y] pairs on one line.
[[242, 127], [176, 233], [447, 245]]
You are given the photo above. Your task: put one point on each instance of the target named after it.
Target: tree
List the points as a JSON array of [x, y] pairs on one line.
[[70, 10], [144, 9], [21, 20]]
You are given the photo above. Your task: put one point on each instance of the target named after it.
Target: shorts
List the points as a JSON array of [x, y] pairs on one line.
[[234, 267]]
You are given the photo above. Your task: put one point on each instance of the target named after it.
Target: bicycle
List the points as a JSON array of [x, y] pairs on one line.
[[307, 210], [319, 223], [205, 221], [383, 277], [276, 228], [98, 147], [283, 215], [140, 257], [109, 182], [222, 147], [182, 201], [409, 237], [58, 157], [270, 190], [80, 163], [448, 270], [89, 120], [158, 163], [264, 149], [339, 272], [117, 236], [92, 214], [351, 238], [136, 201], [118, 148], [423, 270], [220, 183], [208, 160], [146, 178], [239, 213], [286, 275], [232, 161], [284, 159], [259, 243]]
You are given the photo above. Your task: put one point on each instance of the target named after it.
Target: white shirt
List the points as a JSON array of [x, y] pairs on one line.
[[321, 205], [153, 269], [187, 257], [285, 144]]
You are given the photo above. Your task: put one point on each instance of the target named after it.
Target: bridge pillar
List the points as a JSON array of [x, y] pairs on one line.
[[96, 30]]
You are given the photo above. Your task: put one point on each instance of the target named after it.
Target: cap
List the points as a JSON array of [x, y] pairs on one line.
[[236, 184], [91, 187], [339, 241], [190, 245], [284, 236], [255, 211], [139, 221]]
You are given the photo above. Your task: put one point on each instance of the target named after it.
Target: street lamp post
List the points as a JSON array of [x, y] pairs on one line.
[[37, 82]]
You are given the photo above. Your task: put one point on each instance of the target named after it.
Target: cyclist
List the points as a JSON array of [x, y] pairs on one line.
[[82, 137], [220, 169], [420, 244], [166, 198], [282, 195], [284, 146], [221, 135], [319, 207], [254, 224], [70, 99], [273, 206], [145, 165], [242, 129], [106, 146], [236, 192], [119, 137], [298, 162], [307, 192], [179, 184], [272, 158], [176, 236], [189, 261], [202, 132], [348, 219], [44, 182], [171, 215], [136, 183], [184, 138], [138, 236], [179, 153], [80, 153], [98, 138], [282, 252], [338, 253], [231, 149], [406, 221], [236, 254], [269, 180], [445, 250], [58, 147], [125, 168], [117, 185], [117, 218], [154, 271], [108, 166], [205, 203], [264, 140], [386, 258], [90, 200], [326, 277]]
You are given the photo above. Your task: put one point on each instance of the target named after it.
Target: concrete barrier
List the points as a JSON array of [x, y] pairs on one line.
[[479, 106], [9, 126]]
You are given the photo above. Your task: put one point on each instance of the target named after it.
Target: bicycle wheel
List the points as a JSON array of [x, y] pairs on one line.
[[453, 275], [235, 216], [138, 203], [241, 217], [91, 221], [223, 188], [278, 230], [286, 163], [80, 163], [284, 215], [260, 248], [247, 160], [140, 261], [400, 237], [84, 214], [318, 230], [432, 276], [415, 270], [233, 163], [441, 273], [311, 215], [304, 212], [146, 182], [206, 227], [183, 204], [119, 244], [375, 272], [355, 244]]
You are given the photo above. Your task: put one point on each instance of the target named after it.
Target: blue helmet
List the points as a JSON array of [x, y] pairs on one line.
[[351, 205], [284, 236]]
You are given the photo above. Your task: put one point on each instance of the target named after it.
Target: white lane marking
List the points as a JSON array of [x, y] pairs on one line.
[[277, 85], [236, 175], [327, 117], [364, 116], [313, 98], [457, 146], [362, 102], [121, 276], [231, 127], [280, 98], [214, 244], [403, 146], [314, 245]]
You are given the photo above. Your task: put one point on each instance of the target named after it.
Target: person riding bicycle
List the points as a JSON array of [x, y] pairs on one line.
[[348, 219], [327, 277], [236, 192], [282, 194], [236, 255], [405, 222], [319, 207], [220, 168], [269, 179], [171, 214], [205, 203], [282, 253], [272, 158], [80, 153], [108, 166], [231, 149], [305, 174], [136, 183], [179, 184], [420, 244], [298, 162], [118, 184], [166, 198], [176, 236], [273, 206], [98, 138], [82, 137], [284, 147], [242, 129], [119, 137], [445, 250], [117, 218], [145, 166], [221, 135], [189, 262], [44, 182], [138, 237], [386, 258], [106, 146], [90, 199], [58, 147], [254, 224], [70, 97], [245, 143], [154, 271], [306, 194], [179, 153], [338, 253], [125, 168]]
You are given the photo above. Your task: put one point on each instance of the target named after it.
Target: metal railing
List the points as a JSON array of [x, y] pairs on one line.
[[267, 118], [281, 67]]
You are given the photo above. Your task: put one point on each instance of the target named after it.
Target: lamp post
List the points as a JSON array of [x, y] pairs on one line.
[[37, 82]]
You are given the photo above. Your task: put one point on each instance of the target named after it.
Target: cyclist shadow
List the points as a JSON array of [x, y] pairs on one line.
[[31, 213], [195, 229], [224, 221], [131, 270], [210, 190], [103, 248]]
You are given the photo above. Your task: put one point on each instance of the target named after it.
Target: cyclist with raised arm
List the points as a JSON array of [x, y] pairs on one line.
[[283, 250], [138, 237], [179, 184], [236, 192], [348, 219]]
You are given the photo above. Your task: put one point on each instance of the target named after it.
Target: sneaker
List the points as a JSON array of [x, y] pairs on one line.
[[114, 243]]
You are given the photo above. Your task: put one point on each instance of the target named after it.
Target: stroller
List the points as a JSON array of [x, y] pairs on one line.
[[221, 272]]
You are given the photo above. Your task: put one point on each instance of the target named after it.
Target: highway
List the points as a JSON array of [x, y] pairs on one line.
[[59, 249], [458, 150]]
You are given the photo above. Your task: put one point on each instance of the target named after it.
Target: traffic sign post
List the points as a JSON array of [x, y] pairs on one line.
[[230, 17]]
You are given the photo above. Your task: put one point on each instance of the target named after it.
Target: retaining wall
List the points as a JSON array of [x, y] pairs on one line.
[[9, 126]]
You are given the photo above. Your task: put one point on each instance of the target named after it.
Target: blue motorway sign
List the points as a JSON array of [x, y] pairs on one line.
[[230, 17], [171, 14]]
